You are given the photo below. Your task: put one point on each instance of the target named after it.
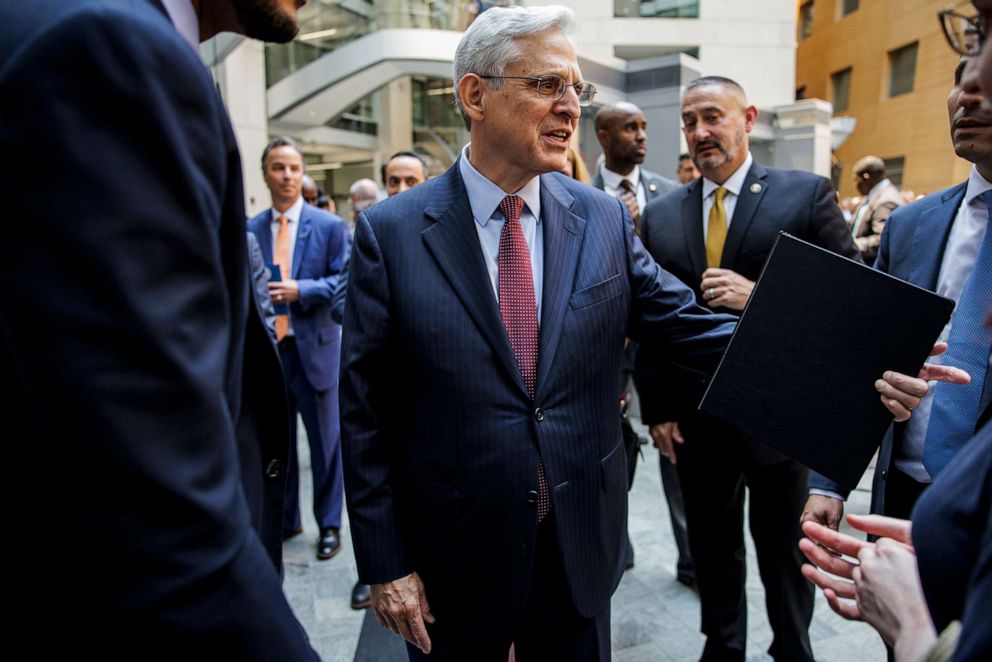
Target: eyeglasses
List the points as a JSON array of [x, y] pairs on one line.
[[963, 28], [553, 87]]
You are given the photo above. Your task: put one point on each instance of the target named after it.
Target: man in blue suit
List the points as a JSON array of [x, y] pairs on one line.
[[485, 468], [934, 243], [309, 245], [136, 365]]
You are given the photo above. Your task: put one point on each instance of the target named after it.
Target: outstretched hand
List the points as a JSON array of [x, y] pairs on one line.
[[901, 394]]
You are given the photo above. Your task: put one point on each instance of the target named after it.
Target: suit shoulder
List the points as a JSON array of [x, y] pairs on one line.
[[668, 199], [322, 216], [664, 184], [138, 28], [794, 178], [925, 203]]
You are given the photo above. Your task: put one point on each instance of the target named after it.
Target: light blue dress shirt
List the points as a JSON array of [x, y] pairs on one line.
[[484, 198]]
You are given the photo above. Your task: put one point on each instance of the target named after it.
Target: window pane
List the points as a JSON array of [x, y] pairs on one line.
[[841, 90], [656, 8], [800, 93], [805, 20], [894, 168], [902, 63], [847, 6]]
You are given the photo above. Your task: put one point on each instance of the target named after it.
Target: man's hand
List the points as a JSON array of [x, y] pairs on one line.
[[890, 597], [664, 434], [284, 291], [725, 288], [401, 606], [823, 510], [901, 394]]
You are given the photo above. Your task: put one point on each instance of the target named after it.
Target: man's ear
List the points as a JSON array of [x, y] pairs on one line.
[[470, 93], [750, 117]]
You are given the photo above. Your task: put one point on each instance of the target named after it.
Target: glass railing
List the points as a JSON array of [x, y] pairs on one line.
[[656, 8], [326, 25]]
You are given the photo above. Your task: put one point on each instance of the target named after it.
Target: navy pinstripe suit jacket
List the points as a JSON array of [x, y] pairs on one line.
[[441, 441]]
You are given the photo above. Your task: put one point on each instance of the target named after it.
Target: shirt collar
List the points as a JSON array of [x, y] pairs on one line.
[[877, 187], [484, 196], [976, 186], [734, 183], [183, 16], [293, 213], [613, 179]]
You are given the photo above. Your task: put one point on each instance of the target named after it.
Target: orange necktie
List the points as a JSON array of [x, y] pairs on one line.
[[282, 259]]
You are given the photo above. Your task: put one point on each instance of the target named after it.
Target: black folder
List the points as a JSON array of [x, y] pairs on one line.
[[816, 334]]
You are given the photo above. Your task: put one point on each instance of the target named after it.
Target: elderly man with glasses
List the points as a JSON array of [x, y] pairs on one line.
[[485, 328]]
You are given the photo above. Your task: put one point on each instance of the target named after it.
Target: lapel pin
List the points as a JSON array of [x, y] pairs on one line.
[[755, 188], [652, 187]]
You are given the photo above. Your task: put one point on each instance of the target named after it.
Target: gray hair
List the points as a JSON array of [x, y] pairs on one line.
[[489, 45], [364, 193]]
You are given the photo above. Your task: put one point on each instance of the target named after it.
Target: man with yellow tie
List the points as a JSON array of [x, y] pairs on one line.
[[714, 234], [309, 246]]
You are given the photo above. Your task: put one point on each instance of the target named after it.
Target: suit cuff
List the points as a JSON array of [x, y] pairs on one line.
[[826, 493]]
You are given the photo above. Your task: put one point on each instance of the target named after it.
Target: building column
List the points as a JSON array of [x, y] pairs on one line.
[[395, 119], [802, 136], [240, 77]]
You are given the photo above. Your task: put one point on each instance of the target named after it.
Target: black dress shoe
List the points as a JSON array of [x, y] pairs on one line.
[[328, 544], [361, 596], [286, 535]]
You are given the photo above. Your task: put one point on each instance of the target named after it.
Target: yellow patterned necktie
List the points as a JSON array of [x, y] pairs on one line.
[[716, 229]]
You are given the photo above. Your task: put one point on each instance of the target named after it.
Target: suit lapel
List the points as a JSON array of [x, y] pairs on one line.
[[692, 226], [563, 233], [302, 237], [747, 204], [454, 243], [930, 237]]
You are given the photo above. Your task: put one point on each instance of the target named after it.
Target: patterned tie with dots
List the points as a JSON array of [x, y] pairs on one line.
[[518, 309]]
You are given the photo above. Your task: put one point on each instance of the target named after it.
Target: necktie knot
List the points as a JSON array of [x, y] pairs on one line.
[[626, 185], [720, 192], [283, 221], [511, 206]]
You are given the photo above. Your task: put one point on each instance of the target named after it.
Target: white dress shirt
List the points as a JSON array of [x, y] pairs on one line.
[[960, 254], [183, 16], [484, 198], [733, 185], [611, 184]]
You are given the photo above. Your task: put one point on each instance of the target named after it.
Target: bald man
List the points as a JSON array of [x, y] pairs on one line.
[[881, 198], [622, 133]]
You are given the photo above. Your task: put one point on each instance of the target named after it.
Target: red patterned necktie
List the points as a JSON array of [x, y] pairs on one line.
[[518, 308]]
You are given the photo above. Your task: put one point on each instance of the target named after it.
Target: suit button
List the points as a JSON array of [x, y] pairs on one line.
[[273, 469], [532, 497], [538, 414]]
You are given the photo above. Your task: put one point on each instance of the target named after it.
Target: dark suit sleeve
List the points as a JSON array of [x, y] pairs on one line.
[[975, 641], [664, 314], [260, 283], [367, 391], [827, 227], [118, 345], [341, 292], [320, 291]]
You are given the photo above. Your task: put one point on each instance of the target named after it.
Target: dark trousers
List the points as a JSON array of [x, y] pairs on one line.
[[676, 511], [319, 410], [901, 493], [551, 630], [714, 465]]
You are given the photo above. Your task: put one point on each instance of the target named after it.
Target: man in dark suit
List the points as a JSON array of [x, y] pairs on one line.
[[934, 243], [133, 363], [309, 245], [622, 133], [714, 234], [486, 317]]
